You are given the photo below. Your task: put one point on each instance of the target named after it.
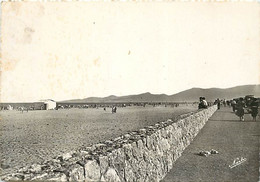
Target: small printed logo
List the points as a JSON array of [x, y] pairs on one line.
[[237, 162]]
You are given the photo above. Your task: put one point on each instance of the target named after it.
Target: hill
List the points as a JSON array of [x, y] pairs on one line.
[[213, 93], [189, 95]]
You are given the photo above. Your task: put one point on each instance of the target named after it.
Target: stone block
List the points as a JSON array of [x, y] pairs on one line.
[[129, 174], [92, 171], [140, 145], [76, 173], [149, 143], [111, 176], [128, 151], [103, 162], [136, 152], [54, 177], [117, 161], [165, 146]]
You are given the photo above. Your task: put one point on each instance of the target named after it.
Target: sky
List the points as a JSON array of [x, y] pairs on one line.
[[73, 50]]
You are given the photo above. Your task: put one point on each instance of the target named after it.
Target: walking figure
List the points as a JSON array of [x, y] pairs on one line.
[[218, 103], [240, 109], [254, 107], [114, 109], [233, 104]]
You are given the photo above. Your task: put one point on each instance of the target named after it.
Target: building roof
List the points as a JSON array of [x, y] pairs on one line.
[[46, 100]]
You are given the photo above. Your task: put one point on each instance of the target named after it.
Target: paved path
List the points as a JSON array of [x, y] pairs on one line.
[[232, 138]]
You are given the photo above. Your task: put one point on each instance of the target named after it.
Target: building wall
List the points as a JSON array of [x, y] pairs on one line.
[[50, 105]]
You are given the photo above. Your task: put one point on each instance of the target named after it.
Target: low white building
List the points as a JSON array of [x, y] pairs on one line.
[[49, 104]]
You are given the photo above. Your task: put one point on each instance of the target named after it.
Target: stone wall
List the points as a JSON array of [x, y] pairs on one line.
[[144, 155]]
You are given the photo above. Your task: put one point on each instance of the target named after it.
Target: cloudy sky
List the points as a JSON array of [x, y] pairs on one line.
[[77, 49]]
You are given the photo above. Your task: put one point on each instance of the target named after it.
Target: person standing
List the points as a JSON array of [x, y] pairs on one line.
[[205, 103], [254, 107], [218, 103], [113, 109], [200, 103], [240, 109], [233, 104], [224, 102]]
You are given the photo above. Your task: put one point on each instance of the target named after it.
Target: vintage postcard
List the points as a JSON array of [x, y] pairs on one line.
[[130, 91]]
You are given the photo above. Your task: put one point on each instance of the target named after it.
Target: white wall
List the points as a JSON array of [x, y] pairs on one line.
[[50, 105]]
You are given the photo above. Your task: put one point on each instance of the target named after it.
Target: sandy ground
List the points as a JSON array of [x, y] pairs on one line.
[[232, 139], [36, 136]]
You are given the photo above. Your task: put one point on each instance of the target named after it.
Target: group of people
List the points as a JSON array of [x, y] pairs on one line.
[[22, 109], [203, 103], [114, 109], [239, 106], [217, 102]]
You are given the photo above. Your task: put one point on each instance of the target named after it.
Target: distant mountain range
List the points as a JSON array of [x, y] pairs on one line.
[[189, 95]]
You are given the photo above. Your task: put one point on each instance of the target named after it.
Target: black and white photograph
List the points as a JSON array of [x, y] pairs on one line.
[[130, 91]]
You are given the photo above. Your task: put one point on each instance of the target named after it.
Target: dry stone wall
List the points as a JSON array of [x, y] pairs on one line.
[[144, 155]]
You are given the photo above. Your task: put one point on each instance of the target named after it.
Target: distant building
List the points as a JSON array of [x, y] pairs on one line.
[[49, 104]]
